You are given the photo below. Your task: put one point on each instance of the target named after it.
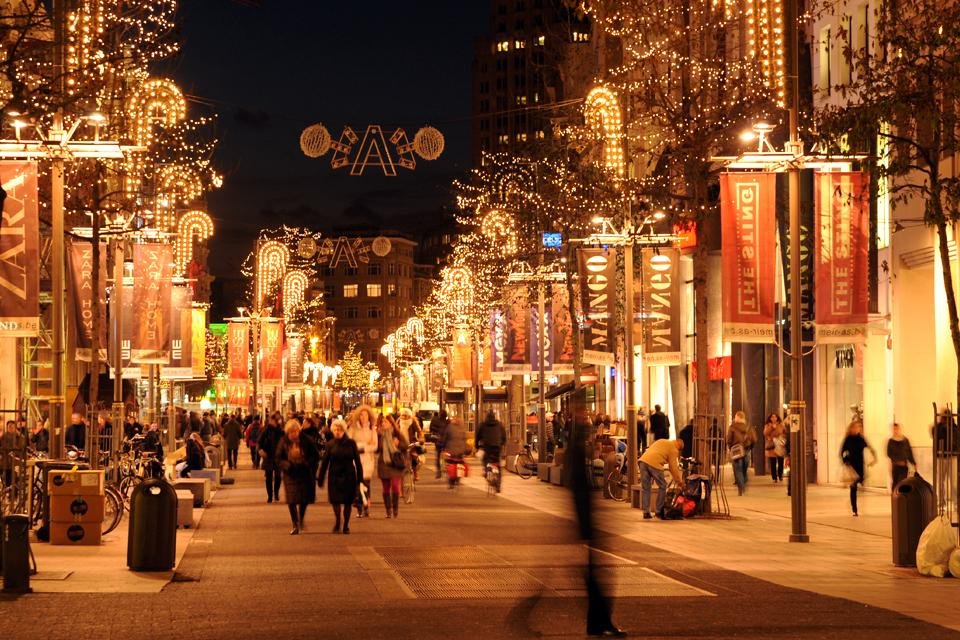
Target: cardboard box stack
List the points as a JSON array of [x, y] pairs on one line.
[[76, 507]]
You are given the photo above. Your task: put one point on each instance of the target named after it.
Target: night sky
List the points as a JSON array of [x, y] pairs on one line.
[[269, 71]]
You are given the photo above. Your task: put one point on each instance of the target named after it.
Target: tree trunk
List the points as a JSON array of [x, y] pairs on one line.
[[947, 269]]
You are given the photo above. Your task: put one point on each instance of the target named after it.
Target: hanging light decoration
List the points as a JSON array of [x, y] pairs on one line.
[[156, 101], [500, 229], [272, 259], [193, 225], [414, 327], [456, 288], [601, 110], [295, 284]]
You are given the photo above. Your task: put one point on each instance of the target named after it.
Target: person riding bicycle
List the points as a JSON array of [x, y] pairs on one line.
[[410, 427], [491, 437]]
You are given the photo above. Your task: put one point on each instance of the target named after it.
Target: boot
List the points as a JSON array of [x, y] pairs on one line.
[[387, 503], [396, 503]]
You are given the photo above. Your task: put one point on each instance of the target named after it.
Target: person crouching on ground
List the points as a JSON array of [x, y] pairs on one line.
[[391, 463], [661, 452], [297, 457], [344, 470]]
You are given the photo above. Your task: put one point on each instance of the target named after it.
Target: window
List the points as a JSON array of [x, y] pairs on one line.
[[351, 271], [373, 269], [350, 290], [541, 40], [391, 311], [521, 137], [503, 45], [519, 44], [374, 312], [328, 291], [351, 312], [504, 138], [327, 271], [861, 31], [824, 60], [374, 354], [845, 63], [581, 36], [373, 291], [391, 289], [541, 134], [521, 99], [392, 269]]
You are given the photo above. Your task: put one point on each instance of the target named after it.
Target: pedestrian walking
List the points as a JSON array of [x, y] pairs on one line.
[[658, 454], [775, 445], [391, 464], [659, 424], [438, 428], [342, 470], [851, 453], [267, 449], [740, 440], [362, 432], [252, 435], [232, 435], [900, 454], [297, 458], [410, 426]]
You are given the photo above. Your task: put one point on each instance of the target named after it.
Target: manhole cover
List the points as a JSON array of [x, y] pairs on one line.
[[470, 583], [439, 557], [51, 575]]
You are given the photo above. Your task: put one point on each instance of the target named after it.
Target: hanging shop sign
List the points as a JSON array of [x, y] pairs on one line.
[[842, 249], [660, 309], [374, 150], [271, 352], [81, 297], [483, 365], [748, 218], [295, 355], [153, 275], [461, 358], [517, 317], [238, 350], [561, 329], [198, 342], [19, 251], [597, 269], [181, 335]]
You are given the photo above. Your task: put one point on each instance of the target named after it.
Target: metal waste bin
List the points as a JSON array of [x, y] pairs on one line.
[[152, 538], [911, 511], [16, 553]]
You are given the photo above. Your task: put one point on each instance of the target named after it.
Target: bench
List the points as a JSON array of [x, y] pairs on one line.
[[184, 508], [199, 487], [212, 474]]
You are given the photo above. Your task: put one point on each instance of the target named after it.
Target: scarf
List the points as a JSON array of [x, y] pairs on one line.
[[387, 447]]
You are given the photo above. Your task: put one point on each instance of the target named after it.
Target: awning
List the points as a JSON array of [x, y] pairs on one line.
[[560, 390], [495, 394]]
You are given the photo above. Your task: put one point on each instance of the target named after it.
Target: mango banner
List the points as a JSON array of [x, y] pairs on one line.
[[80, 298], [271, 352], [19, 251], [238, 393], [659, 327], [597, 268], [748, 220], [842, 248], [238, 351], [461, 359], [181, 335], [198, 342], [152, 284]]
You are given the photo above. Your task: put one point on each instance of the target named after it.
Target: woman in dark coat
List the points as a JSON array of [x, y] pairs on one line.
[[297, 457], [851, 453], [345, 473]]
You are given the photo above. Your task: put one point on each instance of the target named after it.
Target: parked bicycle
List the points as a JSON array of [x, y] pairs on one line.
[[491, 471], [523, 463]]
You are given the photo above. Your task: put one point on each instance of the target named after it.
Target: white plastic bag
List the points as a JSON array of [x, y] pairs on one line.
[[955, 563], [936, 543]]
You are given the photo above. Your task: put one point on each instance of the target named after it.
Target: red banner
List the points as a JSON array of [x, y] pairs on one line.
[[461, 359], [748, 217], [152, 284], [271, 352], [598, 287], [516, 355], [238, 351], [238, 393], [842, 256], [561, 328], [19, 251], [80, 260], [179, 366]]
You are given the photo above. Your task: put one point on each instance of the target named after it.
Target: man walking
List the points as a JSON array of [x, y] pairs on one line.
[[659, 424], [662, 452], [232, 434]]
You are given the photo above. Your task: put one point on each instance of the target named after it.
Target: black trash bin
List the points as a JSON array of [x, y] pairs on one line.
[[152, 539], [911, 512], [16, 553]]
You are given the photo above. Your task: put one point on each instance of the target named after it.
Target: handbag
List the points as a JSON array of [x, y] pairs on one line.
[[780, 446], [736, 451], [398, 460], [848, 475]]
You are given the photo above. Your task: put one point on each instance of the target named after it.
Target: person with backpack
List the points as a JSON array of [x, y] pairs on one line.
[[740, 440], [267, 448], [252, 435]]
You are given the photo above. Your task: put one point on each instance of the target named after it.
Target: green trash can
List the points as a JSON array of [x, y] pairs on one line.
[[152, 539]]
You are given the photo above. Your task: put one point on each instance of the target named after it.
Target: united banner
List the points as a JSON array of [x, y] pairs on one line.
[[516, 357], [295, 355], [19, 251], [271, 352], [842, 250], [80, 299], [461, 359], [198, 342], [152, 283], [597, 267], [748, 219], [238, 351], [181, 335], [561, 329], [660, 324]]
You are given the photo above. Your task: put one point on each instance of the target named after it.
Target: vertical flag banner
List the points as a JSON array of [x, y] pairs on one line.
[[238, 350], [152, 283], [295, 346], [19, 251], [461, 359], [181, 334], [128, 369], [597, 267], [198, 342], [561, 329], [660, 324], [842, 256], [80, 261], [498, 344], [485, 374], [271, 349], [535, 339], [517, 316], [238, 393], [748, 219]]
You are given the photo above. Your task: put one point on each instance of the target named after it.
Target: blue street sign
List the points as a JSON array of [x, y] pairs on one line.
[[552, 240]]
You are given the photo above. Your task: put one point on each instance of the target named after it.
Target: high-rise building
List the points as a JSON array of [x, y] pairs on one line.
[[522, 72]]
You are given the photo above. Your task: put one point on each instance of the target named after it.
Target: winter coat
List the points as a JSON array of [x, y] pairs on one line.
[[342, 470], [252, 434], [233, 433], [268, 441], [454, 440], [385, 471], [740, 433], [851, 452], [366, 439], [299, 476], [491, 437], [196, 456], [659, 425], [900, 452], [772, 431]]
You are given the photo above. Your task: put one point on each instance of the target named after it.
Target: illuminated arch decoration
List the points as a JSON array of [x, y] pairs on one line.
[[456, 289], [272, 259], [499, 228], [414, 328], [601, 111], [374, 149], [155, 102], [193, 225], [175, 185], [514, 179], [295, 284], [765, 40]]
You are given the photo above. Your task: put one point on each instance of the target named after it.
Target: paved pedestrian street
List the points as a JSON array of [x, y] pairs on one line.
[[455, 563]]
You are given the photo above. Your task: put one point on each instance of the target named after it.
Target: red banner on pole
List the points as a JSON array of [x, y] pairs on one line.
[[152, 284], [80, 259], [19, 251], [842, 256], [238, 350], [748, 218], [516, 356], [598, 288], [271, 349], [561, 328], [179, 366], [461, 359]]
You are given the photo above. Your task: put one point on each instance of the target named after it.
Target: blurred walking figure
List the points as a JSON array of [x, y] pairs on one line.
[[851, 452], [775, 445], [297, 457], [344, 471], [232, 435], [267, 449], [362, 432], [740, 441], [900, 454], [252, 436], [438, 431], [391, 463]]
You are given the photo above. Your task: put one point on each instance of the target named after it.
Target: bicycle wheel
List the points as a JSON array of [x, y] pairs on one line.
[[112, 509], [127, 485], [522, 465], [617, 486], [409, 487]]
